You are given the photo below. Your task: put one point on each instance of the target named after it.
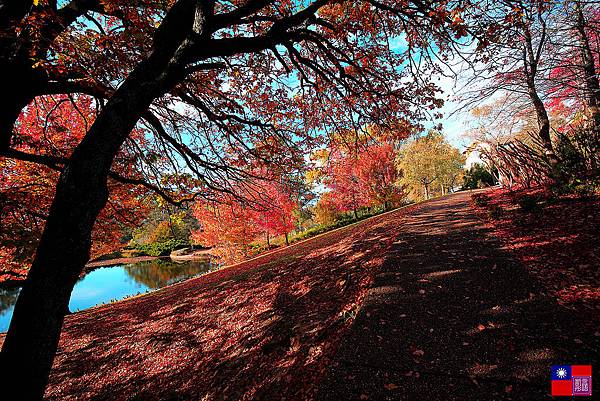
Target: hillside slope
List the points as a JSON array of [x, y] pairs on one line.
[[267, 326]]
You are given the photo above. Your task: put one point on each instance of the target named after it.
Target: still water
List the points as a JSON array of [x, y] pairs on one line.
[[111, 283]]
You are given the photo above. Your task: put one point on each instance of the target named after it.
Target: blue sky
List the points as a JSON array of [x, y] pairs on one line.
[[455, 121]]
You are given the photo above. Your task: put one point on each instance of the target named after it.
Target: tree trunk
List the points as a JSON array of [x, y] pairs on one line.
[[544, 127], [81, 193], [287, 240], [592, 85], [34, 331], [172, 226], [530, 65], [268, 241], [426, 186], [9, 113], [30, 344], [15, 101]]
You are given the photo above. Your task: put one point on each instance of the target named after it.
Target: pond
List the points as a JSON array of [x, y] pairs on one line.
[[111, 283]]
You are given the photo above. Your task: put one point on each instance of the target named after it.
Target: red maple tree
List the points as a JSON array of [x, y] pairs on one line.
[[231, 224], [51, 127], [364, 175]]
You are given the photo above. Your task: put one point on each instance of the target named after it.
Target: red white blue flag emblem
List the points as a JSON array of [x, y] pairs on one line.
[[571, 380]]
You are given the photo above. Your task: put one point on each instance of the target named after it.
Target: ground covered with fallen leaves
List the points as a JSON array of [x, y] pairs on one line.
[[558, 241], [425, 301], [264, 328], [452, 314]]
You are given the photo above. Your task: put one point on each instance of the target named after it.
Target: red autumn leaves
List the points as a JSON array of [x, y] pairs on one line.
[[231, 224], [364, 177], [51, 127]]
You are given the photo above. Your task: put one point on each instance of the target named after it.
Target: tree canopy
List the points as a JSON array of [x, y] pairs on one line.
[[430, 165], [217, 90]]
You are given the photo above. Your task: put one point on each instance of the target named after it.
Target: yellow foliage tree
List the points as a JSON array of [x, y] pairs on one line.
[[430, 166]]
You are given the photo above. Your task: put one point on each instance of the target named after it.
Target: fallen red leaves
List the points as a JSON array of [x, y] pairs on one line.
[[558, 243], [265, 327]]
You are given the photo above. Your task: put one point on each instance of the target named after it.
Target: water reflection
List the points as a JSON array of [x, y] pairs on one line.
[[8, 297], [155, 274], [107, 284]]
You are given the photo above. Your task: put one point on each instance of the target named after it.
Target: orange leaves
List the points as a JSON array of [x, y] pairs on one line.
[[235, 224], [228, 224], [390, 386]]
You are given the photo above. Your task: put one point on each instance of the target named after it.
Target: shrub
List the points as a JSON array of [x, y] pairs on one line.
[[341, 221], [577, 186], [579, 169], [313, 231], [162, 248], [579, 153], [478, 176], [586, 188]]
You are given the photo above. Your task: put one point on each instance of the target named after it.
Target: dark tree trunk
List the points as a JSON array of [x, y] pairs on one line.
[[30, 345], [81, 193], [9, 112], [287, 240], [268, 241], [13, 11], [530, 64], [592, 85], [30, 84], [37, 319]]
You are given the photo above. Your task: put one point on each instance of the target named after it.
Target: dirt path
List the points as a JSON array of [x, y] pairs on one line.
[[451, 316]]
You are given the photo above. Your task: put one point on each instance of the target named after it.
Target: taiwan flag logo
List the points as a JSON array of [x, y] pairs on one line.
[[571, 380]]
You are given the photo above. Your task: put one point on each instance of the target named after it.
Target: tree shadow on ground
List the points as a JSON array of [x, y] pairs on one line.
[[566, 229], [452, 316], [261, 330]]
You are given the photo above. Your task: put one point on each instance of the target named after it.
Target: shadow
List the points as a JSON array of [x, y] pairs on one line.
[[567, 229], [449, 315], [264, 329], [452, 316]]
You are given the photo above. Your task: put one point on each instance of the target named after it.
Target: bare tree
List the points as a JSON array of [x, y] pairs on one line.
[[514, 69], [588, 65]]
